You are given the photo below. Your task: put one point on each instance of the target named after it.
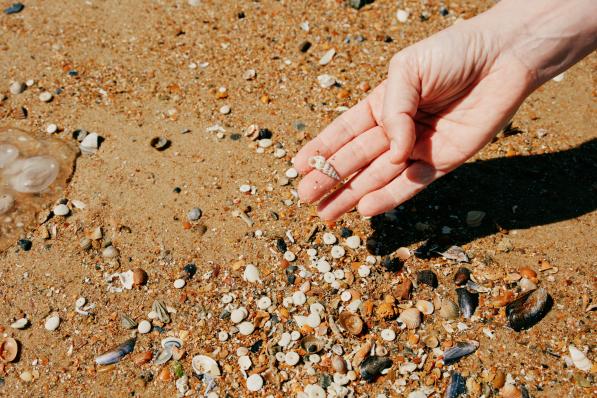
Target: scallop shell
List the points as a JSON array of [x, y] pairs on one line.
[[312, 344], [579, 359], [32, 175], [117, 353], [411, 317], [467, 301], [6, 203], [426, 307], [461, 349], [202, 364], [9, 349], [528, 309], [127, 322], [160, 309], [351, 322], [449, 309], [373, 367], [8, 154], [320, 163]]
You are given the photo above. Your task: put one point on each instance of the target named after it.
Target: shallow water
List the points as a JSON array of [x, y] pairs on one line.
[[33, 174]]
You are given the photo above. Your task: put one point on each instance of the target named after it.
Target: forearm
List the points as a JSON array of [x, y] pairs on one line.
[[548, 36]]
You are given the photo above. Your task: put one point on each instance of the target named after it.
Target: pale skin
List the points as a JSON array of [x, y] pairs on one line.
[[444, 99]]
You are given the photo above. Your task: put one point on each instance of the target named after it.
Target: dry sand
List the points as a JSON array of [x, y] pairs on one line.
[[135, 82]]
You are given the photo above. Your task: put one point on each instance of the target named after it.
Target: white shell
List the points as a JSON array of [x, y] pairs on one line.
[[319, 163], [126, 279], [238, 315], [411, 317], [90, 143], [244, 362], [388, 335], [251, 273], [202, 364], [246, 328], [6, 203], [8, 154], [52, 323], [20, 323], [32, 175], [254, 383], [579, 359], [426, 307]]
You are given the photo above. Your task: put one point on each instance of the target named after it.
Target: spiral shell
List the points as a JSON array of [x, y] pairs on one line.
[[32, 175], [8, 154], [411, 317], [318, 162]]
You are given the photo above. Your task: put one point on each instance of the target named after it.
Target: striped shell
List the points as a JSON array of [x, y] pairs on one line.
[[318, 162], [411, 317], [449, 309], [426, 307]]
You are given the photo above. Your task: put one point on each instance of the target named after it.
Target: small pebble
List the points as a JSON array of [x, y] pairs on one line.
[[26, 376], [254, 383], [144, 327], [61, 210], [353, 242], [110, 252], [179, 283], [245, 188], [292, 358], [364, 271], [194, 214], [327, 57], [264, 303], [249, 74], [246, 328], [329, 238], [17, 88], [279, 153], [46, 96], [323, 266], [238, 315], [299, 298], [402, 16], [388, 335], [291, 173], [51, 128], [224, 110], [52, 323]]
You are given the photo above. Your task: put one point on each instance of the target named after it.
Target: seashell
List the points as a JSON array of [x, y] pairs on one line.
[[431, 341], [411, 317], [160, 143], [455, 253], [361, 354], [510, 391], [251, 273], [449, 309], [426, 307], [204, 365], [474, 218], [7, 203], [8, 154], [467, 301], [351, 322], [456, 387], [9, 349], [320, 163], [20, 323], [427, 277], [252, 132], [579, 359], [20, 112], [139, 277], [117, 353], [169, 342], [90, 144], [402, 291], [461, 349], [127, 322], [312, 344], [338, 364], [381, 351], [32, 175], [403, 253], [126, 279], [163, 356], [528, 309], [160, 309], [374, 366], [462, 276]]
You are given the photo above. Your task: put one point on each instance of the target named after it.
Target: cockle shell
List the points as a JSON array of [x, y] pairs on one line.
[[202, 364], [579, 359], [411, 317], [6, 203], [9, 349], [117, 353], [32, 175], [426, 307], [8, 154], [449, 309], [320, 163]]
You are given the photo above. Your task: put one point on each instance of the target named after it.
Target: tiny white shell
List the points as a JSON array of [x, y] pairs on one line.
[[579, 359], [251, 273], [202, 364], [320, 163], [246, 328]]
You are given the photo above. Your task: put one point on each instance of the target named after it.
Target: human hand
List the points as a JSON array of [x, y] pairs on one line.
[[444, 99]]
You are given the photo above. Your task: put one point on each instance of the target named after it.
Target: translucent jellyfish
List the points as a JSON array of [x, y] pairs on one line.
[[33, 175]]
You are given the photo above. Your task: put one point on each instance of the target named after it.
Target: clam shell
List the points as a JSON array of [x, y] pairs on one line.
[[6, 203], [202, 364], [455, 253], [9, 349], [462, 276], [426, 307], [312, 344], [373, 367], [528, 309], [461, 349], [411, 317], [467, 301], [163, 356], [449, 309], [32, 175], [160, 309], [8, 154], [117, 353], [320, 163], [579, 359], [456, 387], [171, 342], [338, 364], [351, 322]]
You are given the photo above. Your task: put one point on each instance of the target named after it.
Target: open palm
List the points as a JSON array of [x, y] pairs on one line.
[[444, 99]]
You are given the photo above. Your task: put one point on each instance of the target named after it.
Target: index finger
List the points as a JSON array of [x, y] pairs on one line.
[[342, 130]]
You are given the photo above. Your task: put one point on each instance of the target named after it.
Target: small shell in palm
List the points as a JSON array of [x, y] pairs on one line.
[[318, 162]]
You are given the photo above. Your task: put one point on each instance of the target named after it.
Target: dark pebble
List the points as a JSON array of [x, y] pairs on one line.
[[281, 245], [177, 190], [358, 4], [264, 133], [387, 39], [256, 347], [392, 264], [14, 9], [424, 16], [427, 277], [73, 73], [443, 11], [190, 269], [25, 244], [305, 46], [240, 15], [291, 279], [225, 315], [345, 232], [235, 137]]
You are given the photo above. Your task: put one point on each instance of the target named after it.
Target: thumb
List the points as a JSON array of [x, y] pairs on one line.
[[401, 100]]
